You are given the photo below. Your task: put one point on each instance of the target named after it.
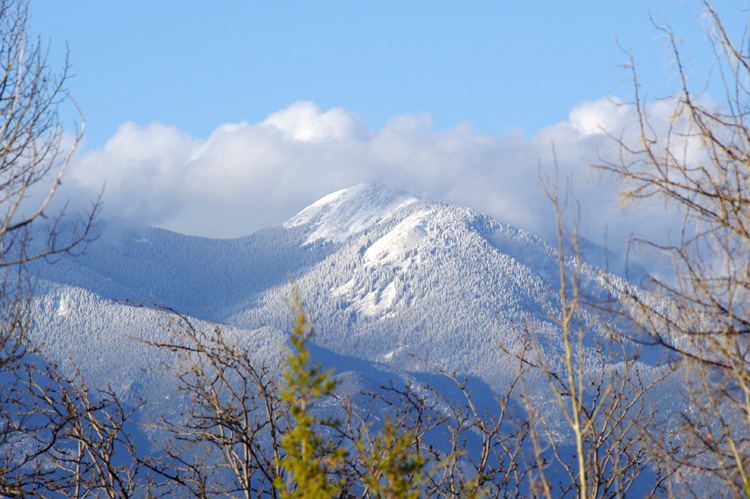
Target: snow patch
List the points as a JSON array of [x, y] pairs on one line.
[[394, 246], [389, 356], [331, 200], [376, 303], [345, 289], [63, 307], [344, 213]]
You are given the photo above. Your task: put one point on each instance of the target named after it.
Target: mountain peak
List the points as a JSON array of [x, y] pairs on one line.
[[343, 213]]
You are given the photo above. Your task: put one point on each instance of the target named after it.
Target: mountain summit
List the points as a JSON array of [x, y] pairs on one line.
[[344, 213]]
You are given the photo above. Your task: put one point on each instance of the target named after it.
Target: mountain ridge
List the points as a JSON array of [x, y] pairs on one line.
[[386, 275], [401, 292]]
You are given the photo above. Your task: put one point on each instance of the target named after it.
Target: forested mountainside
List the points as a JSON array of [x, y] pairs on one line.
[[399, 289], [389, 279]]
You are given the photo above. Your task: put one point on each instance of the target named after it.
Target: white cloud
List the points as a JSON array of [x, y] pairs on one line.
[[247, 176], [600, 116], [303, 121]]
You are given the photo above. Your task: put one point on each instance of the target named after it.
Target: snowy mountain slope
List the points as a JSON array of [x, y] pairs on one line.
[[385, 275], [101, 338], [343, 213], [438, 282], [389, 280], [198, 276]]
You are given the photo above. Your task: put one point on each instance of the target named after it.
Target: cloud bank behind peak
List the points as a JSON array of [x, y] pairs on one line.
[[247, 176]]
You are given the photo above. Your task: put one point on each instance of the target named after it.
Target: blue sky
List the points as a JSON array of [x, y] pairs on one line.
[[164, 83], [497, 65]]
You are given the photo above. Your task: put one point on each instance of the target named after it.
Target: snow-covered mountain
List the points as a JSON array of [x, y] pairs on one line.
[[396, 286], [387, 278]]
